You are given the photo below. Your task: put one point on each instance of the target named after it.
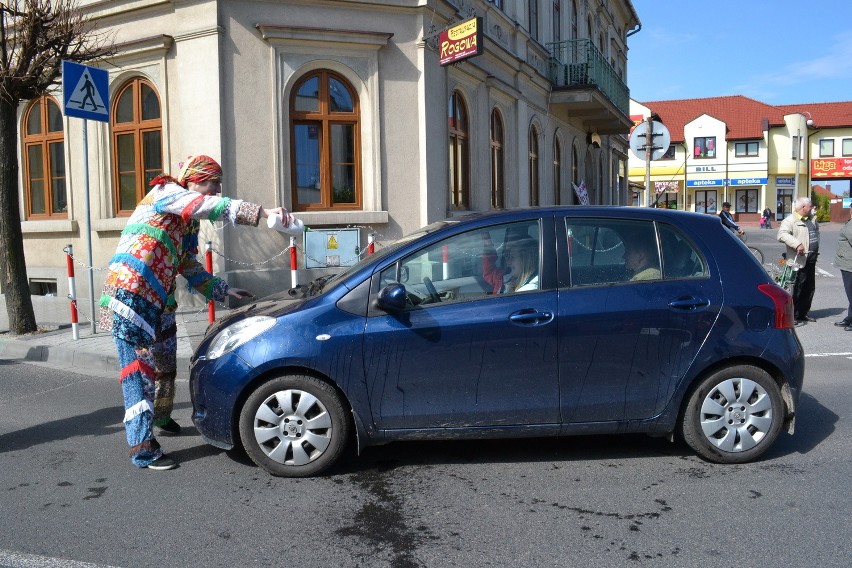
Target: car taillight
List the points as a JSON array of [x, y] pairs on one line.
[[784, 315]]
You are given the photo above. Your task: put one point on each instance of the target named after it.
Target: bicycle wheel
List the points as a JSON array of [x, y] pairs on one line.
[[757, 254], [743, 237]]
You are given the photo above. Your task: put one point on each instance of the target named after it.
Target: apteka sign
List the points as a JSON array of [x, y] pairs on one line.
[[461, 41]]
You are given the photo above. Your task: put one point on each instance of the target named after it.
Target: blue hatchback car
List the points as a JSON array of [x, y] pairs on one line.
[[518, 323]]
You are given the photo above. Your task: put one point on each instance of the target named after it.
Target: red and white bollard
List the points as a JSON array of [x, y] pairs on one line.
[[294, 264], [445, 261], [72, 291], [371, 243], [211, 305]]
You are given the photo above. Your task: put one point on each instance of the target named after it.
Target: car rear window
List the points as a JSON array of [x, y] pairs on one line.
[[614, 251]]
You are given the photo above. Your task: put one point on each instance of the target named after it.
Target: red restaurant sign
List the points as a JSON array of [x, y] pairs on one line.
[[831, 167], [461, 41]]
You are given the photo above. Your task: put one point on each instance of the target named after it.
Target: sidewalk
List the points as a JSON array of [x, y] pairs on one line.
[[94, 352]]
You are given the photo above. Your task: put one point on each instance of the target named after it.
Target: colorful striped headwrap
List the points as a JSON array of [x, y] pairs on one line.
[[199, 169]]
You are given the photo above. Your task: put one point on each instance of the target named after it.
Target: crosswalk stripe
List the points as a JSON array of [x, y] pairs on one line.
[[14, 559]]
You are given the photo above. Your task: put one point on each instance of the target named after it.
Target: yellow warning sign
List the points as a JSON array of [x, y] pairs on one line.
[[332, 242]]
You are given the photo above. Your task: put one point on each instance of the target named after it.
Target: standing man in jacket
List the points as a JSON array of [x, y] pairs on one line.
[[800, 232], [843, 261]]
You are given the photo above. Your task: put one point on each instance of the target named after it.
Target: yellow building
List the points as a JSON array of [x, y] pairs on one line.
[[742, 151]]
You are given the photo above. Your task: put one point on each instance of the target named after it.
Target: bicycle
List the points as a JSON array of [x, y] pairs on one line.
[[786, 277], [758, 254]]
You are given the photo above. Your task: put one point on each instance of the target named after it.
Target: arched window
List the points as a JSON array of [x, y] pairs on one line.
[[590, 172], [498, 199], [44, 160], [557, 21], [533, 165], [574, 19], [533, 16], [325, 129], [459, 153], [575, 168], [557, 171], [137, 142]]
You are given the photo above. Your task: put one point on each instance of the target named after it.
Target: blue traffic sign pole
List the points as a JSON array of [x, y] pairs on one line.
[[89, 226], [85, 94]]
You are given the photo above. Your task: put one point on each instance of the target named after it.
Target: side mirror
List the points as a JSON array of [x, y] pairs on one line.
[[392, 298]]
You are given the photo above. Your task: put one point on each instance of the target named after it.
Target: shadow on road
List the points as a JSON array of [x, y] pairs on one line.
[[101, 422]]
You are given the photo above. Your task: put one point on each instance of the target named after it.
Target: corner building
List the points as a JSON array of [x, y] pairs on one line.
[[336, 109]]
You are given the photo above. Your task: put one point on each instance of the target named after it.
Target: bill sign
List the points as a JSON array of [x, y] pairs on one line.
[[461, 41]]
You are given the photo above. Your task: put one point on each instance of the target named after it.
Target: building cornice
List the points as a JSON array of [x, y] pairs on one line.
[[302, 35]]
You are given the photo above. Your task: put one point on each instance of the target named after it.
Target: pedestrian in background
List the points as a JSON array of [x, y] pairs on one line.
[[728, 219], [843, 261], [766, 219], [159, 242], [800, 232]]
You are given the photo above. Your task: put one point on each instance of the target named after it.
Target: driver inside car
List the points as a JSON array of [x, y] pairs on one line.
[[520, 265]]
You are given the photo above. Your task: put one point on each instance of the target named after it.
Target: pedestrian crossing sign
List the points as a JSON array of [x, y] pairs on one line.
[[85, 91]]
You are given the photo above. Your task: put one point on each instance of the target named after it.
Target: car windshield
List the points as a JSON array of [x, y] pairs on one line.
[[329, 282]]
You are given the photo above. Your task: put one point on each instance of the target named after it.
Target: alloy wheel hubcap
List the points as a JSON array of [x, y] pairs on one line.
[[736, 415]]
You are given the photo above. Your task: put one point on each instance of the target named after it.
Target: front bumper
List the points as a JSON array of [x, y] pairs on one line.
[[215, 387]]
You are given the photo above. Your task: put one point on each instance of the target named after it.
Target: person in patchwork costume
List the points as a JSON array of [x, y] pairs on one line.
[[138, 307]]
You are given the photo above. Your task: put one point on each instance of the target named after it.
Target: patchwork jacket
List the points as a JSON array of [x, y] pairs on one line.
[[159, 242]]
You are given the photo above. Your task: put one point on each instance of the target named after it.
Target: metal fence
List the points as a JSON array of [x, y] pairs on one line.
[[577, 62]]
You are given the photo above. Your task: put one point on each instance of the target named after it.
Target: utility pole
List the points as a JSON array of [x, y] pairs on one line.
[[643, 147], [649, 149]]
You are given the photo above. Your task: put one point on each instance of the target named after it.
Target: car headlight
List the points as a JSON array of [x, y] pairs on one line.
[[237, 334]]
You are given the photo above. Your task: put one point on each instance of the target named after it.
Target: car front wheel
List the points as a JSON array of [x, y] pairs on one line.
[[734, 415], [294, 426]]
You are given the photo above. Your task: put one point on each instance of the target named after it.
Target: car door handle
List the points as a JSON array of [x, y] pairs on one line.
[[689, 304], [531, 317]]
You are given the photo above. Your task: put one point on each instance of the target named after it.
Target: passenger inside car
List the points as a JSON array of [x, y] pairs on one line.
[[641, 259]]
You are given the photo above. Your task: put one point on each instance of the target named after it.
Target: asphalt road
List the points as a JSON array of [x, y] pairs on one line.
[[69, 496]]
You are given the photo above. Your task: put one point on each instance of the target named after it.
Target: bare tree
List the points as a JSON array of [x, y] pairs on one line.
[[35, 36]]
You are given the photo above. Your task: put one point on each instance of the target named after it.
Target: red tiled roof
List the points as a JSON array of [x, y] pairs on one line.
[[744, 117], [824, 115], [818, 189]]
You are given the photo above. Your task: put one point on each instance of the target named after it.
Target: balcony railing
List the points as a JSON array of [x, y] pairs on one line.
[[577, 63]]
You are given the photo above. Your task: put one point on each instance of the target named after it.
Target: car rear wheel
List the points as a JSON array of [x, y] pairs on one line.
[[294, 426], [734, 415]]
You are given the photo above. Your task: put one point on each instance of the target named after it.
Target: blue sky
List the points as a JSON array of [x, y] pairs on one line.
[[776, 51]]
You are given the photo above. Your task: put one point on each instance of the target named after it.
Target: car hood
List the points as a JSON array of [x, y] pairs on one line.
[[274, 305]]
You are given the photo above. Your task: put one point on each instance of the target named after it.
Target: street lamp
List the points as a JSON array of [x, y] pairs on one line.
[[809, 122]]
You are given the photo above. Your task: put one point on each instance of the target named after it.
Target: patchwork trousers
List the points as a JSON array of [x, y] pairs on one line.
[[148, 384]]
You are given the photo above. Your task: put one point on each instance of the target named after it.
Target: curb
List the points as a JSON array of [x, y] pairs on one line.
[[81, 359]]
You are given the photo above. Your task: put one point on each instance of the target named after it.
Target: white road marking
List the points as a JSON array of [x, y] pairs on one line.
[[844, 354], [14, 559]]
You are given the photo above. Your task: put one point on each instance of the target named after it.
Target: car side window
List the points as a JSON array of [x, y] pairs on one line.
[[605, 251], [680, 258], [498, 259]]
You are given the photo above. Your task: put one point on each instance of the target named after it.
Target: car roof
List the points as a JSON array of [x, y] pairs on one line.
[[613, 211]]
